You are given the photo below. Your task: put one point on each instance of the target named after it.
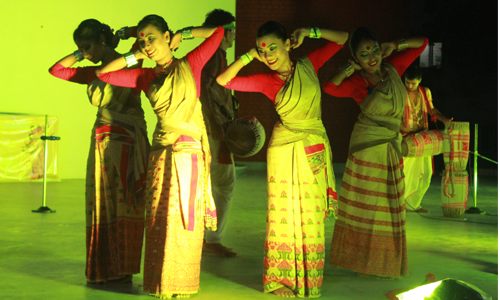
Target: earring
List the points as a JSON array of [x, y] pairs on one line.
[[288, 49]]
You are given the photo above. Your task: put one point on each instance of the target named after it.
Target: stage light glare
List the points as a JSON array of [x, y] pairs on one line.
[[419, 293], [446, 289]]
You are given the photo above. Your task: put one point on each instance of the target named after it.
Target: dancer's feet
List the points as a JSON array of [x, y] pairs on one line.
[[420, 210], [378, 277], [96, 282], [170, 296], [284, 292], [124, 279], [219, 250]]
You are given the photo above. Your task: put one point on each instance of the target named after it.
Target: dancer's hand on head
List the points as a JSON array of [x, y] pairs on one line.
[[298, 36], [387, 49], [175, 41], [255, 54], [355, 65], [140, 55]]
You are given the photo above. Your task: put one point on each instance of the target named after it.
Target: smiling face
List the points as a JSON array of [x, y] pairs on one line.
[[369, 56], [92, 50], [273, 52], [155, 44]]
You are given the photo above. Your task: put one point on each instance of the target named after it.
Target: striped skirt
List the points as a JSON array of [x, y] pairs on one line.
[[369, 235]]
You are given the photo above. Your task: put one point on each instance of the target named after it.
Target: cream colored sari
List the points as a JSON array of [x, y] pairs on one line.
[[179, 199], [301, 188]]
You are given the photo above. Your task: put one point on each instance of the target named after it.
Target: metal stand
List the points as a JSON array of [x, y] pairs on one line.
[[44, 208], [475, 209]]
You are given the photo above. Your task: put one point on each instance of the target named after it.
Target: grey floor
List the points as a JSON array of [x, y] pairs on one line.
[[42, 255]]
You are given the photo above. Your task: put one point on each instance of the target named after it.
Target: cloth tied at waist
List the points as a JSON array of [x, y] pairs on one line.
[[169, 130], [290, 131], [134, 127], [374, 130]]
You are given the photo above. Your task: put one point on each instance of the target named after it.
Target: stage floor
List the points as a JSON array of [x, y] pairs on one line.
[[42, 256]]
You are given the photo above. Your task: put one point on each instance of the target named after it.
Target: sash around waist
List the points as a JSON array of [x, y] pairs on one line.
[[127, 121], [168, 130], [389, 123], [366, 136], [290, 131]]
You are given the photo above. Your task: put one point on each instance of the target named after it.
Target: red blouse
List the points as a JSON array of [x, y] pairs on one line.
[[355, 86], [269, 83], [141, 78], [82, 75]]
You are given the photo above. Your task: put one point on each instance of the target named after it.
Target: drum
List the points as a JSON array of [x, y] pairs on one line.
[[425, 143], [245, 136], [456, 145], [454, 193]]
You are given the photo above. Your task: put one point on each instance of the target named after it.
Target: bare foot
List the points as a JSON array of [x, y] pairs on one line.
[[378, 277], [420, 210], [219, 250], [284, 292], [96, 282], [124, 279], [162, 296]]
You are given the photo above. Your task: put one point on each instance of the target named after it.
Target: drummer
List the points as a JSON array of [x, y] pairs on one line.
[[418, 170], [218, 109]]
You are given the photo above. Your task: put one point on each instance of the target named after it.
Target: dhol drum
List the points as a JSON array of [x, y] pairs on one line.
[[456, 146], [424, 143], [454, 194], [455, 179], [245, 136]]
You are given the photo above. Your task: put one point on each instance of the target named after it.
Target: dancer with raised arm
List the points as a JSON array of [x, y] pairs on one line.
[[179, 199], [369, 235], [116, 167], [301, 183]]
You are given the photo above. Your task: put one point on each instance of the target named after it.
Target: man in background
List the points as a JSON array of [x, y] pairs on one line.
[[418, 170], [218, 109]]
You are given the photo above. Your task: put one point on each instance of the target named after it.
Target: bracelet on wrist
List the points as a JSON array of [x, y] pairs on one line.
[[348, 69], [314, 32], [186, 34], [401, 45], [78, 55], [121, 33], [246, 58], [130, 58]]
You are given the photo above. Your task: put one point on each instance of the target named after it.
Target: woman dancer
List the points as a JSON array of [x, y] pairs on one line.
[[116, 167], [300, 176], [179, 199], [369, 235]]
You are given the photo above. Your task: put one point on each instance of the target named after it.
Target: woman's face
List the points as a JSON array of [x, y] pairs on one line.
[[155, 44], [369, 56], [92, 50], [273, 52]]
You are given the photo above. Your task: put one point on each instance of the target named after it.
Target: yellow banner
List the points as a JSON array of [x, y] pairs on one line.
[[22, 149]]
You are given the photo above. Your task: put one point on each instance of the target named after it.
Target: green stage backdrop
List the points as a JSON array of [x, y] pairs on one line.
[[36, 34]]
